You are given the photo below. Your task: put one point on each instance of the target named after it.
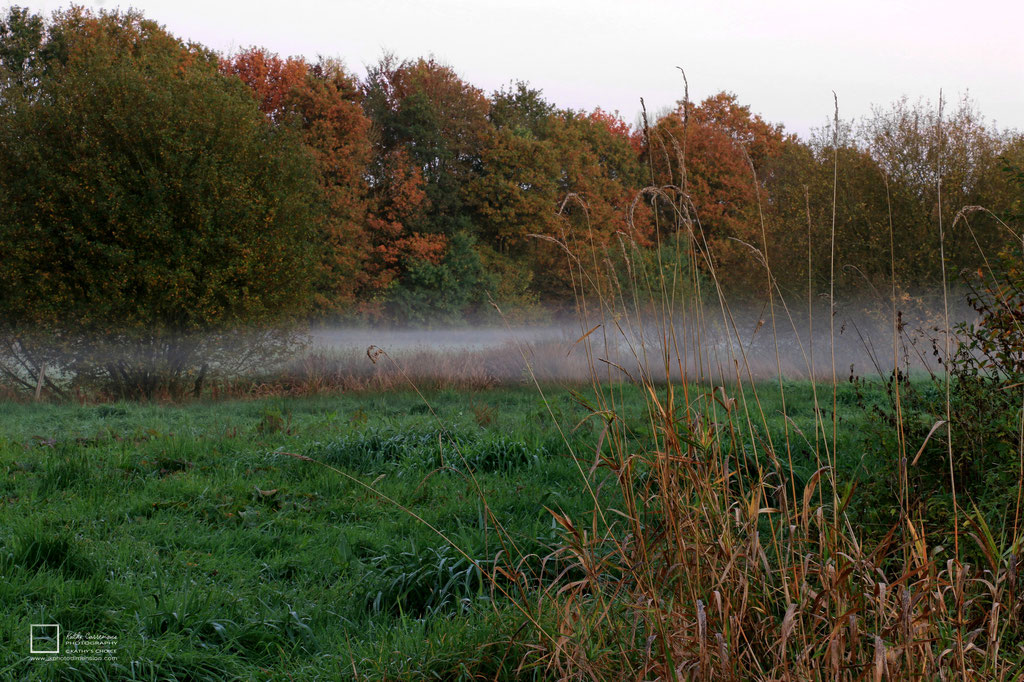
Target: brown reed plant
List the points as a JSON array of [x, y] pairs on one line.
[[708, 565], [704, 562]]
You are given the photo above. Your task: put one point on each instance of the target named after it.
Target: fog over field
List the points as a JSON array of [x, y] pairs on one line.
[[705, 345], [617, 345]]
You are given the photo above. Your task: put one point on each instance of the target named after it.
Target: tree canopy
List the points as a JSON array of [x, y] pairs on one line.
[[141, 189], [151, 183]]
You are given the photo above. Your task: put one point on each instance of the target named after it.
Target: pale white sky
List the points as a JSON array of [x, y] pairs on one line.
[[783, 59]]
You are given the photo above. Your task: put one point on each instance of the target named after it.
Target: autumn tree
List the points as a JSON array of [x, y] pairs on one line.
[[916, 149], [618, 127], [323, 101], [271, 78], [174, 210], [428, 129], [397, 199], [712, 152], [424, 109]]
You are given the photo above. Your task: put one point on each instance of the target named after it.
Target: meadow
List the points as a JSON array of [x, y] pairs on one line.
[[192, 534]]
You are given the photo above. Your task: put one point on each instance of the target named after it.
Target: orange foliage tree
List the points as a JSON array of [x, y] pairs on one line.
[[428, 130], [711, 152], [599, 178], [424, 109], [324, 102]]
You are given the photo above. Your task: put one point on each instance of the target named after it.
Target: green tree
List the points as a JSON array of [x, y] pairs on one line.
[[22, 37], [446, 292], [599, 176], [424, 109], [173, 209], [522, 110], [515, 192], [798, 209]]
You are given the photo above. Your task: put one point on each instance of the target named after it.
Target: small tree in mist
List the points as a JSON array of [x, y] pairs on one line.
[[145, 202]]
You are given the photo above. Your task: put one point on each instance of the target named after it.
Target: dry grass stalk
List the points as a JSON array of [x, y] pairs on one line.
[[714, 568]]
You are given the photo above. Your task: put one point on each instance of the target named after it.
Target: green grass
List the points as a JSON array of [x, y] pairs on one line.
[[189, 534]]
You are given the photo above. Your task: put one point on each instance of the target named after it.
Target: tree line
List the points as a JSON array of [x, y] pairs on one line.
[[153, 183]]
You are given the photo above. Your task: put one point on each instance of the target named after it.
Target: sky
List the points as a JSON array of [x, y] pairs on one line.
[[783, 59]]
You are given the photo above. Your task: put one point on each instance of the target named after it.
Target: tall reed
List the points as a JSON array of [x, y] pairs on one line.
[[711, 561]]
